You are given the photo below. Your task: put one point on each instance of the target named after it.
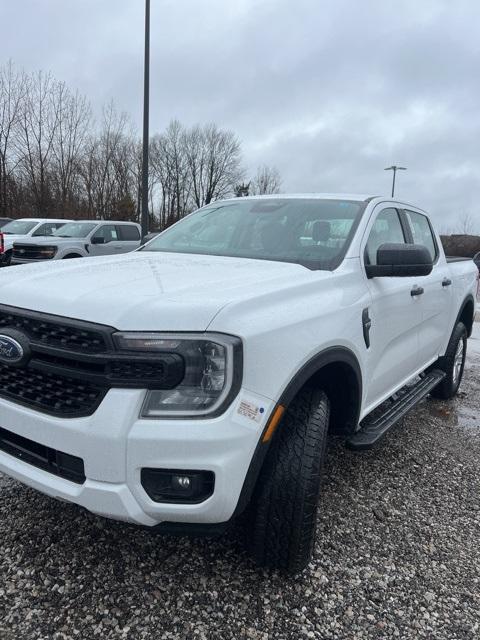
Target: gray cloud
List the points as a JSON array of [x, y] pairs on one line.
[[330, 92]]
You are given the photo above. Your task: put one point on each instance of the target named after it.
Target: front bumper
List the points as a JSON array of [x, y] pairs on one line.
[[115, 445], [16, 260]]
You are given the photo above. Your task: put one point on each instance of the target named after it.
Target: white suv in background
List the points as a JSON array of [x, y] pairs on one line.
[[25, 229], [80, 239]]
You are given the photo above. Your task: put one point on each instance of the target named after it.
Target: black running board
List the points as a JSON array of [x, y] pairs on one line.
[[372, 430]]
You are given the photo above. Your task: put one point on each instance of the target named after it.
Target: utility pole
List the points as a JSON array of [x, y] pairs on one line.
[[394, 168], [146, 108]]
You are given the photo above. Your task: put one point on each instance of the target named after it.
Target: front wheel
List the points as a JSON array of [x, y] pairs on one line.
[[286, 497], [453, 363], [7, 259]]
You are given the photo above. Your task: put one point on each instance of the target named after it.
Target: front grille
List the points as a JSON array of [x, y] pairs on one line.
[[56, 462], [64, 335], [49, 393], [74, 363], [33, 251]]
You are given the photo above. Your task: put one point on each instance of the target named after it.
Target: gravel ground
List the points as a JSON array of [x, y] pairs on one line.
[[397, 555]]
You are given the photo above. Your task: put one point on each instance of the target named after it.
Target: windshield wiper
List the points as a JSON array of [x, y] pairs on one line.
[[62, 236]]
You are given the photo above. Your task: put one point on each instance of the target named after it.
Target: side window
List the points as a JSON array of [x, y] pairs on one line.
[[108, 232], [422, 232], [386, 228], [128, 232], [47, 229]]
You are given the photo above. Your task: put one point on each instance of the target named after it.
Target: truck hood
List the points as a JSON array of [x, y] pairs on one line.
[[9, 239], [48, 240], [147, 290]]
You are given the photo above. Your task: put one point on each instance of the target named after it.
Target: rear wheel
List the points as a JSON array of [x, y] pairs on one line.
[[453, 363], [285, 501]]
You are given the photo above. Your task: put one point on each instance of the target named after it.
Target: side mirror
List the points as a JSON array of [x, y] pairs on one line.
[[400, 261], [98, 240]]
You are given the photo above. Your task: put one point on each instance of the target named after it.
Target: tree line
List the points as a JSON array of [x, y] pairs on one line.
[[57, 160]]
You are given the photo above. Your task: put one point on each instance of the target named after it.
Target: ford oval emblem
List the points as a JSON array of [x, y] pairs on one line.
[[11, 351]]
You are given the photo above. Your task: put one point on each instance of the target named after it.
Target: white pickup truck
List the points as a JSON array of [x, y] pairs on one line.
[[196, 379], [23, 230], [79, 239]]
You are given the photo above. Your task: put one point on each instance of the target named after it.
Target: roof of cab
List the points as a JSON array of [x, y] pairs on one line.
[[106, 221], [41, 220], [356, 197], [352, 197]]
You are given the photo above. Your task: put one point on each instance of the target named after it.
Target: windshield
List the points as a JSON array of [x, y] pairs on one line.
[[314, 233], [19, 227], [75, 230]]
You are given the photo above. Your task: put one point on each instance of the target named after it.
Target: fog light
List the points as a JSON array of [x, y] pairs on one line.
[[183, 482], [169, 485]]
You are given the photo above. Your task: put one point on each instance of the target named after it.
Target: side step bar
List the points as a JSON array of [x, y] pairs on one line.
[[373, 429]]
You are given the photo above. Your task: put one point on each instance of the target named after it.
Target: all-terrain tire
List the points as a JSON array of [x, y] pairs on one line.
[[453, 363], [284, 508]]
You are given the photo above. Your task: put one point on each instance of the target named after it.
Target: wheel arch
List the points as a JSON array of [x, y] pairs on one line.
[[466, 314], [337, 371]]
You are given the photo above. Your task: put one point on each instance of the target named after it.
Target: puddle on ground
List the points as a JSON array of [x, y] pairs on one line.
[[457, 413]]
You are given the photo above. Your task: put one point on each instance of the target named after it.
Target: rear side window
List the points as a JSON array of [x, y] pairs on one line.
[[422, 232], [128, 232], [386, 229]]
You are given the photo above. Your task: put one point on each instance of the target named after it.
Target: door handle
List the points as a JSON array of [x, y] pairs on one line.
[[417, 291], [446, 282]]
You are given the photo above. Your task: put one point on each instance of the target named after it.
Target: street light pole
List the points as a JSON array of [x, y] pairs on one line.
[[394, 168], [146, 106]]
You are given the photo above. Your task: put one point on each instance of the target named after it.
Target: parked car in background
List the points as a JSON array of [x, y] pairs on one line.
[[80, 239], [24, 229], [198, 378], [4, 221]]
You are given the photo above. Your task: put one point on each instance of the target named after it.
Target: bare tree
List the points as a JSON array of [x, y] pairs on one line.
[[74, 120], [267, 180], [39, 121], [242, 189], [12, 95], [172, 170], [214, 161], [106, 169], [466, 224], [55, 160]]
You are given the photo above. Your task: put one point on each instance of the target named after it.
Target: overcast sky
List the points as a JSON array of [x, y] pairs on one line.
[[329, 91]]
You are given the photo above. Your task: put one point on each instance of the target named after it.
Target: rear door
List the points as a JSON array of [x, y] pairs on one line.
[[129, 235], [394, 314], [437, 298]]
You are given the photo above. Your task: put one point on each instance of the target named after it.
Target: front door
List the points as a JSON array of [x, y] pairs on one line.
[[104, 240], [395, 315]]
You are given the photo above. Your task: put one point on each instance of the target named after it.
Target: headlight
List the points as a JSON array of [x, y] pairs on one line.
[[47, 252], [213, 372]]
